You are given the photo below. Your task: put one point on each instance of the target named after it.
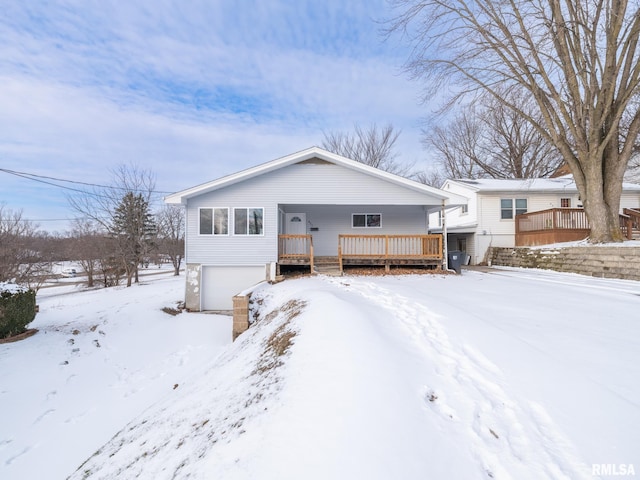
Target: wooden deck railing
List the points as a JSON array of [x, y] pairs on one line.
[[565, 225], [294, 249], [551, 226], [387, 248], [630, 222], [552, 219]]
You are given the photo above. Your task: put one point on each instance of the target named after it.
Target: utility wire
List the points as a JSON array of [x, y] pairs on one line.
[[38, 178], [43, 179]]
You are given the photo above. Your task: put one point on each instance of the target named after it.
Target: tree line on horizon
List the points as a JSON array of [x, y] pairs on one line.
[[116, 235]]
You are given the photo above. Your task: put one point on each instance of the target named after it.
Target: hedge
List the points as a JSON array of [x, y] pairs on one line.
[[17, 310]]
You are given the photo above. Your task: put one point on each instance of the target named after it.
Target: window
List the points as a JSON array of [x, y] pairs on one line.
[[248, 221], [214, 221], [465, 209], [507, 211], [366, 220], [506, 208], [521, 206], [565, 202]]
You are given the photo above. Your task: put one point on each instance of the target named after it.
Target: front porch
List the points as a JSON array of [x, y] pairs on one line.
[[365, 250]]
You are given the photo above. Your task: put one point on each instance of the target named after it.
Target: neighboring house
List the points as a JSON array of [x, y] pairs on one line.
[[240, 227], [489, 217]]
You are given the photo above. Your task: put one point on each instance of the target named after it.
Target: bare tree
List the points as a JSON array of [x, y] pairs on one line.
[[373, 147], [20, 262], [577, 60], [171, 229], [114, 208], [457, 146], [86, 247], [633, 171], [432, 177], [491, 140]]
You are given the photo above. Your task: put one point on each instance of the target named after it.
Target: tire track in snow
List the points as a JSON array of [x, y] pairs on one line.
[[510, 437]]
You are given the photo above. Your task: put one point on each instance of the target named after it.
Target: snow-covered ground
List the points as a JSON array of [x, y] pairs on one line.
[[513, 374]]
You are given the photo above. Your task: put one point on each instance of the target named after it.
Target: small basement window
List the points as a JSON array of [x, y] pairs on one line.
[[366, 220]]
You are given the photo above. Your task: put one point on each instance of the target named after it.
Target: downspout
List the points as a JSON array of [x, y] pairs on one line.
[[445, 242]]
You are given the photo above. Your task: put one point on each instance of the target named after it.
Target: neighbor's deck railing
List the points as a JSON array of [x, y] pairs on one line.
[[564, 225], [295, 249], [630, 222], [389, 247], [551, 226], [552, 219]]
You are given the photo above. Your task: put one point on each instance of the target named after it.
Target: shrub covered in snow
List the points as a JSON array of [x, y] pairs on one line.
[[17, 309]]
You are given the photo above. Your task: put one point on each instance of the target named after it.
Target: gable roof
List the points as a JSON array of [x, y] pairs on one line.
[[306, 155], [562, 184]]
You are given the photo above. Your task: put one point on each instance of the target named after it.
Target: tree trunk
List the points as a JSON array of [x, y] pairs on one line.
[[601, 200]]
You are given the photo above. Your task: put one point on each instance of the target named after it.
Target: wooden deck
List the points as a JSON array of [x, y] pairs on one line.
[[364, 250], [558, 225], [389, 250]]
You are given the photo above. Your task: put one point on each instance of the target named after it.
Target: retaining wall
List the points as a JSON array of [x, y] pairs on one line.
[[596, 261]]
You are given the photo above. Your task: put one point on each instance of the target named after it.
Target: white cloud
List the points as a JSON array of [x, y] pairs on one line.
[[192, 90]]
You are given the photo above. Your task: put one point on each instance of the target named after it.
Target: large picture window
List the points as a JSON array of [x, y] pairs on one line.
[[214, 221], [248, 221], [366, 220], [507, 210]]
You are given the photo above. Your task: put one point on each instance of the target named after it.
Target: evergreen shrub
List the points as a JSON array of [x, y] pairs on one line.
[[17, 310]]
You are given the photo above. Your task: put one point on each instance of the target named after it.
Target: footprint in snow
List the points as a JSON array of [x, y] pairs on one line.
[[43, 415]]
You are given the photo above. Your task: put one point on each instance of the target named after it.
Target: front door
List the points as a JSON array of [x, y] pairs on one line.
[[295, 224]]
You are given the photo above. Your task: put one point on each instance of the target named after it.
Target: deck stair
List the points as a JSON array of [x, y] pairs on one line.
[[327, 266]]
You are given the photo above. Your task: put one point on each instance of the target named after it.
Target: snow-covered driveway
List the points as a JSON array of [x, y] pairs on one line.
[[538, 370]]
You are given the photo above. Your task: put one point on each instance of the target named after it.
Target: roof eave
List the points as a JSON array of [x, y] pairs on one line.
[[183, 196]]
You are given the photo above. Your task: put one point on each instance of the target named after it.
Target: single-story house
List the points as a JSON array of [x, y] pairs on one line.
[[308, 205], [489, 218]]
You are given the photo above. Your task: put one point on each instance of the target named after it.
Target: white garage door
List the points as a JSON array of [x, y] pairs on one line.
[[220, 284]]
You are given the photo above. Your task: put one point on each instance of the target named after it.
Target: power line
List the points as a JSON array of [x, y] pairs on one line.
[[45, 180], [38, 178]]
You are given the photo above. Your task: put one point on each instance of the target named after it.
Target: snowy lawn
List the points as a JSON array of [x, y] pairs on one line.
[[514, 374], [100, 358]]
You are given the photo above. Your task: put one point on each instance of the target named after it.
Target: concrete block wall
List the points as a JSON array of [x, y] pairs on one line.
[[596, 261]]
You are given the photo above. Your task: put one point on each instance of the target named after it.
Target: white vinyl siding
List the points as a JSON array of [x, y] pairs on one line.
[[315, 185]]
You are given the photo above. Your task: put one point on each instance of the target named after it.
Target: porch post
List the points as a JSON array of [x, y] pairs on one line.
[[445, 240]]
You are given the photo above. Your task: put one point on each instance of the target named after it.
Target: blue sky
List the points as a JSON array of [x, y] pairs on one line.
[[192, 89]]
